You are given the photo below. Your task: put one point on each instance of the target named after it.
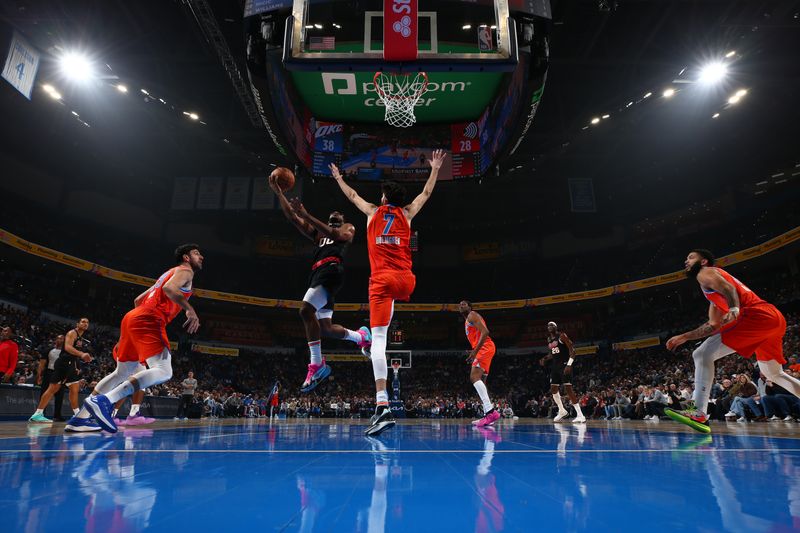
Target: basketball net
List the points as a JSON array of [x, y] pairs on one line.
[[399, 93]]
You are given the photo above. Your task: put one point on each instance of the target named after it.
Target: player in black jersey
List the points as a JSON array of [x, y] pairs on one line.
[[327, 277], [562, 352], [66, 371]]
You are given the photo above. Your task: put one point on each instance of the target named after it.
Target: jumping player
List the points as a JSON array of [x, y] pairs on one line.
[[480, 357], [327, 277], [143, 337], [388, 244], [738, 321], [562, 352], [66, 372]]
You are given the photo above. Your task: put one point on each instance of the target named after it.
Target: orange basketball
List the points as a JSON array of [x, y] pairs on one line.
[[284, 177]]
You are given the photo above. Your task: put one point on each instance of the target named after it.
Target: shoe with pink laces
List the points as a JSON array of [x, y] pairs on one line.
[[138, 420], [316, 375], [366, 340], [488, 419]]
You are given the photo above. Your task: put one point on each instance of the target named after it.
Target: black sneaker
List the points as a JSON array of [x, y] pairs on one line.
[[380, 422]]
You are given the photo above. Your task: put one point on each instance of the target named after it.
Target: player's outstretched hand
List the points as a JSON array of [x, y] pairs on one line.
[[335, 172], [273, 184], [192, 323], [438, 158], [675, 342], [298, 208]]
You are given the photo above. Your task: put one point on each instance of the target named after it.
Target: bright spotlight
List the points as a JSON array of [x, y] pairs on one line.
[[741, 92], [648, 95], [48, 88], [734, 99], [713, 72], [121, 88], [715, 115], [595, 120], [606, 116], [668, 93], [55, 95], [192, 115], [76, 67], [731, 53], [466, 26]]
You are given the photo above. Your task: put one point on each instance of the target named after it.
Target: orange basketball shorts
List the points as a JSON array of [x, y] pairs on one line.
[[760, 330], [484, 358], [142, 334], [384, 288]]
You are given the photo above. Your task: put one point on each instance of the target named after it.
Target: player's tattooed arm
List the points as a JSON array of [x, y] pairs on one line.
[[362, 205], [715, 320], [710, 278]]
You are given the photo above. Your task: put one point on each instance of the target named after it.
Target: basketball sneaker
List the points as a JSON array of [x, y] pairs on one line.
[[40, 419], [81, 425], [579, 419], [316, 375], [561, 416], [366, 341], [488, 419], [382, 421], [138, 420], [101, 409], [691, 417]]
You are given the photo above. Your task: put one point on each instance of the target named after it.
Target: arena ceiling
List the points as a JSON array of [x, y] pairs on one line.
[[657, 154]]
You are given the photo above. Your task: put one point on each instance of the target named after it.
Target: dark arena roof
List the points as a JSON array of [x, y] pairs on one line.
[[589, 145]]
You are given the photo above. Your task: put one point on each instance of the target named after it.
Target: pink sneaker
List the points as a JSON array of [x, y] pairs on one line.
[[489, 419], [138, 420], [312, 369], [119, 421]]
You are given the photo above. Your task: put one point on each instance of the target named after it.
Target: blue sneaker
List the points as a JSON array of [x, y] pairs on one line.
[[366, 341], [318, 377], [80, 425], [101, 410]]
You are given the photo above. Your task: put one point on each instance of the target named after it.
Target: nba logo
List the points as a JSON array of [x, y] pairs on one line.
[[485, 39]]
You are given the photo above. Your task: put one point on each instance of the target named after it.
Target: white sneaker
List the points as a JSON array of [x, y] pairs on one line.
[[774, 418], [579, 419], [741, 419], [788, 419], [731, 414], [561, 415]]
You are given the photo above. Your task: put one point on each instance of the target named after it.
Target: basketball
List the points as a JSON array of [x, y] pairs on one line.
[[284, 177]]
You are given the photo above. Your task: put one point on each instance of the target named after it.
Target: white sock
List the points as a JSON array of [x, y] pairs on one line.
[[123, 390], [134, 409], [557, 398], [480, 386], [378, 352], [381, 398], [76, 411], [114, 413], [577, 407], [704, 357], [315, 348], [39, 412], [352, 336]]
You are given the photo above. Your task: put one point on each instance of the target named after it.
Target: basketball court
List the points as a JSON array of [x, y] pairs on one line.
[[426, 475]]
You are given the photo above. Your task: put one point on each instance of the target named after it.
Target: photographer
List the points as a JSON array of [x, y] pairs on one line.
[[9, 353]]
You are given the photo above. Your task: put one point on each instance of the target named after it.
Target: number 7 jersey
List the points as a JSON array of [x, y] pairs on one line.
[[388, 240]]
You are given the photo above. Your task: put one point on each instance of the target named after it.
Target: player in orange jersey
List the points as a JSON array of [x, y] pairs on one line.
[[143, 337], [388, 244], [481, 356], [738, 321]]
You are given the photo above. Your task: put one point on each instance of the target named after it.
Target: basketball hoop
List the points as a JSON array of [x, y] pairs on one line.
[[396, 367], [399, 93]]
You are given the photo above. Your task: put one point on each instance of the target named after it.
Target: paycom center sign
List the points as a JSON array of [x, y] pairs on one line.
[[351, 96]]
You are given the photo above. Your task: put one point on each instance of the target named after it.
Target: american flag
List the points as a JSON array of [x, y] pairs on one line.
[[322, 43]]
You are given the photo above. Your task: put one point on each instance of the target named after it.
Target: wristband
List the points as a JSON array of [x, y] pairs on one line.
[[732, 309], [571, 360]]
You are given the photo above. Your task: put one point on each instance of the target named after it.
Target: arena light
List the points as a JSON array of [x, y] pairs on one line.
[[595, 120], [713, 72], [606, 116], [715, 115], [318, 26], [192, 115], [730, 54], [121, 88], [466, 26], [741, 92], [668, 93], [647, 95], [52, 93], [76, 67], [144, 91]]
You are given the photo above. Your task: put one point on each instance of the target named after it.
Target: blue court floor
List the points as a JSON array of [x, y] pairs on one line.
[[420, 476]]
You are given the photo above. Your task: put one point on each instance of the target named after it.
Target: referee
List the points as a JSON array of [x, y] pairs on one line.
[[44, 374]]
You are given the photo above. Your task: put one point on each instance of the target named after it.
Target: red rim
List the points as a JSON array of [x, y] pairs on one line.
[[384, 96]]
